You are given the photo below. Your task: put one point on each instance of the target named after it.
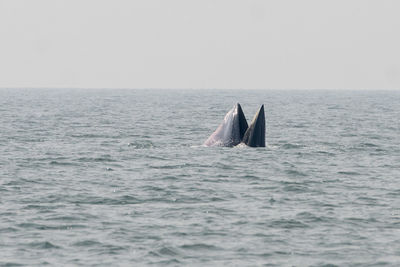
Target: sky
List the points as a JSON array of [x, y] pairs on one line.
[[227, 44]]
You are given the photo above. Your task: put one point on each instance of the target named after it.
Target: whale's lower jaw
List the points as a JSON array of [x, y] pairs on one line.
[[231, 131]]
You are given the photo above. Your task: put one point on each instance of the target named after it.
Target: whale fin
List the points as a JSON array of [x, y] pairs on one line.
[[255, 134], [231, 131]]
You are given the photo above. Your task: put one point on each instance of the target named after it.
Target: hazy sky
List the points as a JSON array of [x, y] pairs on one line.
[[200, 44]]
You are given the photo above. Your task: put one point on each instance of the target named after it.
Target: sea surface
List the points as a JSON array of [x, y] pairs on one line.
[[93, 177]]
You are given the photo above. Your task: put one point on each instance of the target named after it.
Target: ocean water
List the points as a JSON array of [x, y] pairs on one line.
[[120, 178]]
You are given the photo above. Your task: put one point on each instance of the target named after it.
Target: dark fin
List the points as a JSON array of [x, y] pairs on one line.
[[255, 134], [231, 131], [242, 121]]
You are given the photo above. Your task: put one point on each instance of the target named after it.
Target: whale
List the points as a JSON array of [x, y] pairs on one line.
[[231, 131], [255, 133], [234, 130]]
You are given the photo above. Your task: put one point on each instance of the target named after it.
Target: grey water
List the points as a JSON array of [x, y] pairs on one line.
[[120, 177]]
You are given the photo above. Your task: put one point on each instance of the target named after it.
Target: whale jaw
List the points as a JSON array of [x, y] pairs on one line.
[[231, 131], [255, 133]]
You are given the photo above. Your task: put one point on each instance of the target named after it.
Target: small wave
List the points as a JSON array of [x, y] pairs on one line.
[[95, 200], [295, 188], [216, 199], [11, 264], [112, 249], [296, 173], [369, 145], [43, 245], [303, 125], [199, 246], [49, 227], [155, 157], [251, 177], [8, 230], [90, 136], [152, 188], [223, 166], [3, 189], [241, 145], [103, 158], [335, 107], [175, 200], [50, 157], [41, 207], [288, 224], [325, 153], [64, 218], [370, 201], [62, 163], [33, 226], [292, 146], [141, 145], [167, 251], [197, 146], [309, 217], [356, 220], [166, 166], [87, 243], [349, 173], [168, 262], [271, 147], [329, 265], [170, 177], [179, 166]]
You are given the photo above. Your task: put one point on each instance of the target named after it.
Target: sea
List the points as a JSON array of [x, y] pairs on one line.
[[119, 177]]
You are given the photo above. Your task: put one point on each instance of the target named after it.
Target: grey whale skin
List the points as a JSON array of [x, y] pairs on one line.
[[235, 130], [231, 131]]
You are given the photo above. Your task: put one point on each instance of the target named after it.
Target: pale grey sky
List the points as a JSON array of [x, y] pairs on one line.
[[340, 44]]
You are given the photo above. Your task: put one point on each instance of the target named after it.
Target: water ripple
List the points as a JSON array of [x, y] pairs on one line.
[[120, 177]]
